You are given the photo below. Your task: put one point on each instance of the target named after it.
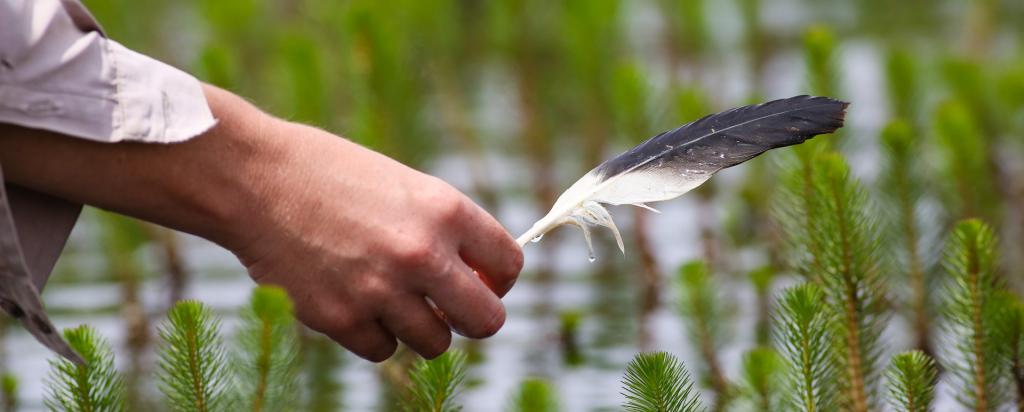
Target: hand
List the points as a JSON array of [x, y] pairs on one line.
[[361, 241], [358, 240]]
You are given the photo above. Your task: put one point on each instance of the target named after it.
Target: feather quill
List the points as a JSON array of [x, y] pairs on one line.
[[674, 162]]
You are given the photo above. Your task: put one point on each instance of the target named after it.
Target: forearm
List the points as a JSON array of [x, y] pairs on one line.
[[191, 186]]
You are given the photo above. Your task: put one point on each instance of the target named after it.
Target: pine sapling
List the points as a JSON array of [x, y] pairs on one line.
[[1011, 336], [911, 378], [797, 209], [706, 316], [321, 358], [972, 310], [94, 386], [903, 186], [266, 357], [658, 382], [850, 278], [762, 278], [761, 386], [569, 336], [901, 74], [9, 389], [434, 384], [534, 395], [819, 53], [804, 337], [193, 372], [965, 162]]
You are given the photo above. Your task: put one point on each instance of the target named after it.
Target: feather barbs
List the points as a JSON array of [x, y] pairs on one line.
[[674, 162]]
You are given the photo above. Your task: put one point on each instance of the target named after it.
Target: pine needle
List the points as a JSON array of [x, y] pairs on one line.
[[322, 357], [435, 383], [972, 310], [804, 336], [1010, 331], [850, 277], [658, 382], [903, 186], [912, 376], [266, 358], [92, 387], [835, 241], [192, 367], [761, 386]]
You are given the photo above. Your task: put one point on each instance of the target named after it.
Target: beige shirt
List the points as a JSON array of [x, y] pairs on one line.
[[59, 73]]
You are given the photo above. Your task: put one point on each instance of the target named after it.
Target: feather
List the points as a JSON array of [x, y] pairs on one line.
[[674, 162]]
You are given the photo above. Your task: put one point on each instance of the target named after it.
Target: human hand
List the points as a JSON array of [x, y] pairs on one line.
[[358, 240], [361, 242]]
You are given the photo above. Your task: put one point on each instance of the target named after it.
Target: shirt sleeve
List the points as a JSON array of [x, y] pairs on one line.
[[57, 76], [59, 73]]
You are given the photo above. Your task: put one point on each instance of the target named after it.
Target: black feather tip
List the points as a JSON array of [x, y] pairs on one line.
[[725, 139]]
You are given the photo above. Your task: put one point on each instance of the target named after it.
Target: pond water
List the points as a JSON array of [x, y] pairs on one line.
[[528, 345]]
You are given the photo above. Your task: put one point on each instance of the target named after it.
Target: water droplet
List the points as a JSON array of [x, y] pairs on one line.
[[537, 239], [591, 258]]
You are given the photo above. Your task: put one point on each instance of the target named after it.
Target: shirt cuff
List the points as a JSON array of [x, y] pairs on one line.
[[155, 102], [56, 77]]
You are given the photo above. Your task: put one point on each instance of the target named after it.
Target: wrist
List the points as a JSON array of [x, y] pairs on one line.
[[238, 189]]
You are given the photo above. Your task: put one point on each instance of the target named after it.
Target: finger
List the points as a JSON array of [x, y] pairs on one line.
[[489, 249], [413, 321], [369, 341], [468, 305]]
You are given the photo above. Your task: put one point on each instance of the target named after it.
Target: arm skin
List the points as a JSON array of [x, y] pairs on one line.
[[357, 239]]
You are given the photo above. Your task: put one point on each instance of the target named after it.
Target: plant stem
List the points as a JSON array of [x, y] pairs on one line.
[[192, 342], [807, 169], [263, 365], [852, 304], [922, 322], [808, 375], [977, 332]]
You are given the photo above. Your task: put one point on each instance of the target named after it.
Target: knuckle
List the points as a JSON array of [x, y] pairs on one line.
[[446, 204], [450, 209], [375, 288], [420, 254]]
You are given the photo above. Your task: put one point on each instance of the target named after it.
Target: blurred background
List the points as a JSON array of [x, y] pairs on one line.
[[511, 101]]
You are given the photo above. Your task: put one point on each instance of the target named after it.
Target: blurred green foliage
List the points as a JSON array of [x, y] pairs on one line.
[[559, 86], [534, 395]]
